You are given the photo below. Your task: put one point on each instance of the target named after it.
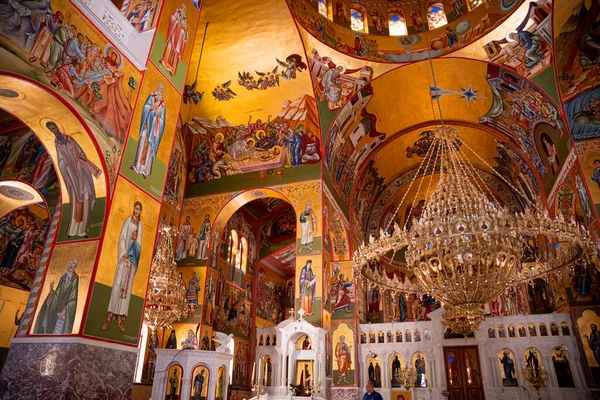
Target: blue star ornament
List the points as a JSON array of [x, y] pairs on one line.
[[470, 94]]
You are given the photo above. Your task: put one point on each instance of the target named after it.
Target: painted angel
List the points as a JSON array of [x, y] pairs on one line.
[[292, 64]]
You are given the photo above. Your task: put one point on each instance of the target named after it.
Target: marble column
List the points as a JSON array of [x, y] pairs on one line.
[[67, 368]]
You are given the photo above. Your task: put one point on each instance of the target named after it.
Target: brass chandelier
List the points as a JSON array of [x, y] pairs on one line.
[[165, 299], [466, 249]]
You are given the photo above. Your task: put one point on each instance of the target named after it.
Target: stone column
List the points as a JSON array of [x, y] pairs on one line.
[[84, 358]]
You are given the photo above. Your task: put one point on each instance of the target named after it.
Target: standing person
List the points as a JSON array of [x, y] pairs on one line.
[[371, 394], [177, 37], [174, 381], [57, 314], [152, 127], [77, 172], [129, 248], [184, 236], [308, 222], [203, 233], [308, 287]]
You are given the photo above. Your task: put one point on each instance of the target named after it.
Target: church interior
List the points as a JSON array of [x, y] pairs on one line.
[[288, 199]]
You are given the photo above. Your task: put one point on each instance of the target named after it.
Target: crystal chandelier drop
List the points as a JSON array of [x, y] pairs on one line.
[[165, 299], [466, 249]]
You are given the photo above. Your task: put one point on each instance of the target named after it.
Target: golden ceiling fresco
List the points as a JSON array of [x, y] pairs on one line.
[[383, 133], [374, 116]]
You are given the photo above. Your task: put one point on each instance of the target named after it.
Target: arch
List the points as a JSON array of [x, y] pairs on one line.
[[26, 211], [533, 358], [508, 367], [32, 97], [417, 335], [372, 337], [358, 18], [543, 329], [554, 329], [419, 362], [221, 383], [532, 329], [173, 380], [491, 332], [511, 331], [501, 331], [230, 208], [363, 338], [267, 372], [261, 341], [436, 16], [380, 337], [522, 330], [397, 22], [200, 381], [564, 327], [374, 369], [304, 342], [395, 363], [399, 336], [472, 4], [426, 335], [407, 336], [562, 367], [323, 6], [390, 336]]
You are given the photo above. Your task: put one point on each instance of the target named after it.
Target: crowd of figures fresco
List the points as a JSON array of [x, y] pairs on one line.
[[24, 157], [22, 240], [54, 44], [220, 148]]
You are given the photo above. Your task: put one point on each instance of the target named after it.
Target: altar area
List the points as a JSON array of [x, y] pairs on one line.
[[290, 361], [197, 374]]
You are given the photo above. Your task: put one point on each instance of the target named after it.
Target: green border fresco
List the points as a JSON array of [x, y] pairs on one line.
[[154, 184], [96, 221], [158, 49], [97, 316]]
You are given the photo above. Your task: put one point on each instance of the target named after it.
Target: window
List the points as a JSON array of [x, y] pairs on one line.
[[474, 3], [436, 16], [323, 8], [232, 247], [237, 256], [397, 23], [358, 19], [243, 255]]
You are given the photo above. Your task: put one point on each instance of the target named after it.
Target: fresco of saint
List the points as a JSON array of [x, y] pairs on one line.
[[57, 314], [130, 244], [77, 172], [152, 127], [177, 37]]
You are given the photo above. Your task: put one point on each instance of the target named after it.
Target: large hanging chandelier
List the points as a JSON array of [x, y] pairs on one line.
[[466, 249], [165, 299]]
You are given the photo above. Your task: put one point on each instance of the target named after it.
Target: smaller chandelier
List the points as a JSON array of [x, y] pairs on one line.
[[165, 299], [536, 377], [463, 320], [408, 376]]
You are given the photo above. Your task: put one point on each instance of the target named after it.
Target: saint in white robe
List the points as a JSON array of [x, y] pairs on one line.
[[118, 307]]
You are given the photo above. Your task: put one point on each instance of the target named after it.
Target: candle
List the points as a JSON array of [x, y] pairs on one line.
[[254, 373], [259, 368]]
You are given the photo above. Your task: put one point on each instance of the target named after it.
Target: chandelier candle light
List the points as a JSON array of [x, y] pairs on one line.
[[466, 249], [165, 300]]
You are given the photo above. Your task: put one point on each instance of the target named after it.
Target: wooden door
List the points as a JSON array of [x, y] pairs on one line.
[[463, 373]]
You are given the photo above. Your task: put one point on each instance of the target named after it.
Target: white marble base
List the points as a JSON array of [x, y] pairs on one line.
[[189, 360]]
